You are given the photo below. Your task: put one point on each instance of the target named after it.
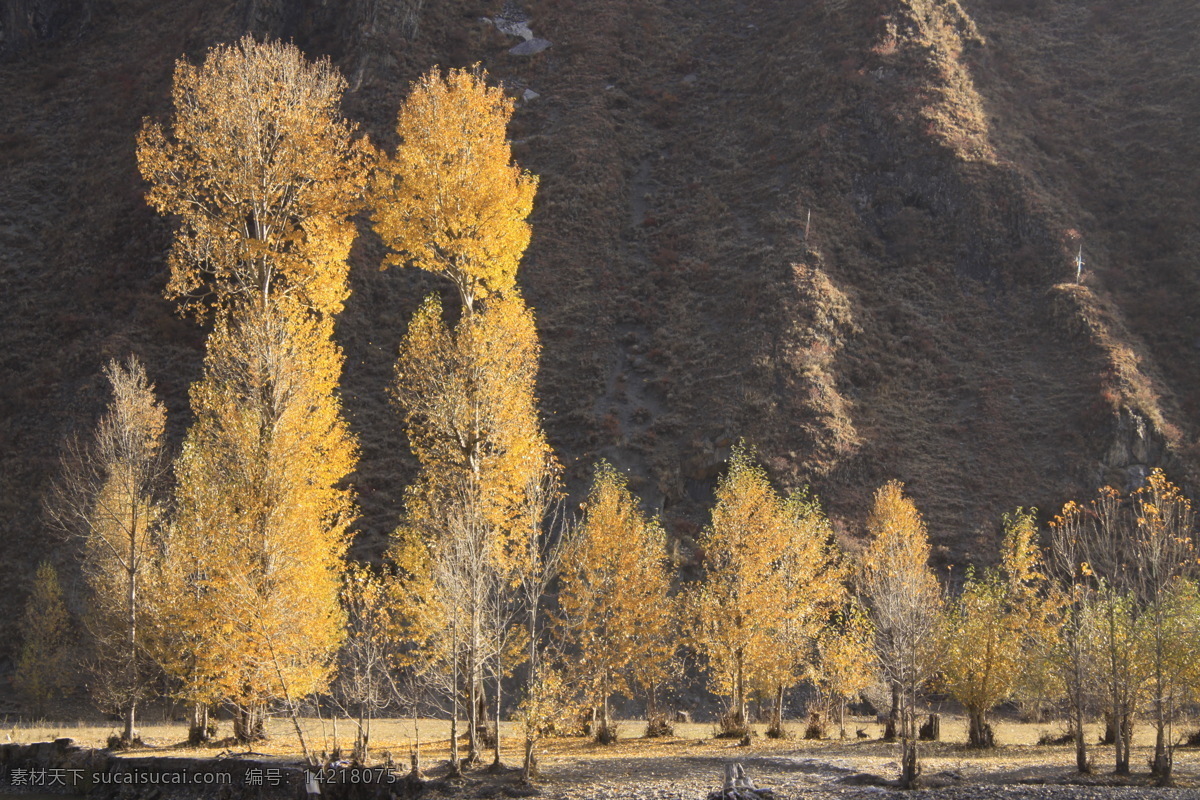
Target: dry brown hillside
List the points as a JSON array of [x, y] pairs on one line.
[[843, 230]]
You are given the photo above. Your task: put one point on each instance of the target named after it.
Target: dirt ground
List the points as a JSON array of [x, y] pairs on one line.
[[691, 763]]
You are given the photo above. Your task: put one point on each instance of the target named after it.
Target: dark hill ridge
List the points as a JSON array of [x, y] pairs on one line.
[[922, 324]]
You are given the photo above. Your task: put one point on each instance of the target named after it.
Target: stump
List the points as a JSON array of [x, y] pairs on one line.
[[931, 731], [738, 786]]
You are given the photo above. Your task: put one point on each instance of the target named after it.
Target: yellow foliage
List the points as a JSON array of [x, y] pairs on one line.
[[45, 657], [470, 408], [992, 626], [846, 661], [124, 512], [417, 617], [614, 593], [450, 200], [263, 518], [771, 579], [263, 175], [904, 595]]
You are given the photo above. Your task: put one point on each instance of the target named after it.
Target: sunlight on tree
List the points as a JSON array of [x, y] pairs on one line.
[[451, 200]]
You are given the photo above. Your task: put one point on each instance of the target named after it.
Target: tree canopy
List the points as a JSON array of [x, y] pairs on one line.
[[451, 200], [263, 175]]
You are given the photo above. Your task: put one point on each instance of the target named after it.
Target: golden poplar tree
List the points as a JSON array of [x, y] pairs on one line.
[[991, 625], [1108, 564], [451, 200], [770, 581], [615, 609], [905, 603], [1127, 568], [1071, 636], [109, 496], [263, 174], [469, 402], [262, 511], [1164, 586]]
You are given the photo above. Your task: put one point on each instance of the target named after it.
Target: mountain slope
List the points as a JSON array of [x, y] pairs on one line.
[[843, 231]]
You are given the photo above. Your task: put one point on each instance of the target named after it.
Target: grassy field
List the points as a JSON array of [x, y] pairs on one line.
[[572, 760]]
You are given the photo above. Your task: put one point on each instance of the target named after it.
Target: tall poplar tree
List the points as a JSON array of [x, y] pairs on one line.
[[905, 603], [468, 398], [263, 174], [262, 511], [1073, 639], [991, 626], [450, 200], [1164, 525], [110, 496]]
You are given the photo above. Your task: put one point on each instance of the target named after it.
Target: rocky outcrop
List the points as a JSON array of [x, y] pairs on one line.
[[1135, 448]]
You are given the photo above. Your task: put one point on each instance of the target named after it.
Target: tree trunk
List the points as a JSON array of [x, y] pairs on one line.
[[472, 705], [1121, 755], [889, 729], [454, 760], [496, 742], [605, 734], [1161, 767], [777, 714], [980, 732], [1081, 757], [1082, 765], [1110, 729], [130, 721], [910, 772], [198, 726], [841, 718], [455, 764], [248, 723], [931, 731], [529, 768], [910, 768], [362, 734], [131, 643], [1125, 737], [529, 771], [740, 695], [414, 773]]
